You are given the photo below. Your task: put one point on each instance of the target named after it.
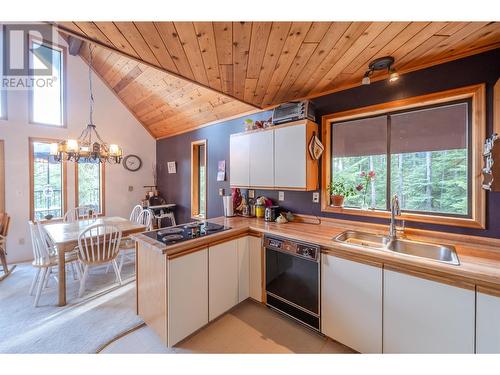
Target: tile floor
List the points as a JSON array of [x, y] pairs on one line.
[[248, 328]]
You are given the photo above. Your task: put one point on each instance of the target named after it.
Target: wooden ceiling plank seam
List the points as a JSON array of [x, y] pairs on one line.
[[143, 86], [325, 46], [419, 38], [317, 32], [84, 37], [122, 102], [92, 31], [158, 98], [409, 32], [109, 64], [242, 32], [458, 47], [451, 41], [296, 35], [452, 28], [303, 55], [343, 45], [126, 80], [130, 32], [223, 33], [250, 85], [189, 42], [171, 41], [125, 69], [116, 37], [99, 58], [258, 44], [155, 43], [364, 58], [355, 49], [416, 54], [206, 43], [274, 49]]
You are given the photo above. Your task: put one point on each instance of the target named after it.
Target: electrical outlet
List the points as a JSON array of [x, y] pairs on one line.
[[130, 188], [221, 192], [281, 195], [251, 193], [316, 197]]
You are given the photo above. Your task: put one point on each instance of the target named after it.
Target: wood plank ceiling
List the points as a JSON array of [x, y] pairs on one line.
[[176, 76]]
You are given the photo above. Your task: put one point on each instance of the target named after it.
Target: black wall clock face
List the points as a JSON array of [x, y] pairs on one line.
[[132, 163]]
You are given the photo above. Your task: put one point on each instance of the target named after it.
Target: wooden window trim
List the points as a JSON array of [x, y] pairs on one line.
[[102, 188], [64, 199], [476, 93], [195, 189], [64, 100]]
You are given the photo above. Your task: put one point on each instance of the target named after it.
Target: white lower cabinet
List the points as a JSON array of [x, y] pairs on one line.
[[243, 269], [222, 278], [351, 303], [255, 267], [424, 316], [487, 323], [187, 295]]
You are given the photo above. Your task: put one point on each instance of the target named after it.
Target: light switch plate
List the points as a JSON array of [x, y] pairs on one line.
[[281, 195], [251, 193], [221, 192], [316, 197], [130, 188]]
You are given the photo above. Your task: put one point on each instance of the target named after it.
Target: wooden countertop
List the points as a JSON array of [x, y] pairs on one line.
[[479, 262]]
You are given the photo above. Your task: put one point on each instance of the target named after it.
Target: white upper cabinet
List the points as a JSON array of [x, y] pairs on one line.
[[290, 152], [262, 159], [351, 303], [488, 323], [424, 316], [239, 164], [276, 158]]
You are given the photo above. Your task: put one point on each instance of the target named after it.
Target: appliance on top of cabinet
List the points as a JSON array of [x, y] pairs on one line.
[[293, 111]]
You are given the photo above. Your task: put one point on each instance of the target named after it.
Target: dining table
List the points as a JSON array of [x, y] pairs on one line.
[[65, 237]]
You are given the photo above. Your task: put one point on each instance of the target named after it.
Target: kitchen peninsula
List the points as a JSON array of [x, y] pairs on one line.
[[184, 286]]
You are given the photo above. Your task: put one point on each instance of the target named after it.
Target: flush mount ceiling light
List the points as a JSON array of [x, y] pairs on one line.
[[383, 63]]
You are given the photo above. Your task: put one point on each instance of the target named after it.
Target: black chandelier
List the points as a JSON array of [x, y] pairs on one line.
[[89, 147]]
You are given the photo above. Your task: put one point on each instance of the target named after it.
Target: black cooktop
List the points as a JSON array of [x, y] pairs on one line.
[[186, 232]]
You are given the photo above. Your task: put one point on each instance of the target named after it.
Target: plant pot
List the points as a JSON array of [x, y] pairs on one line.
[[337, 200]]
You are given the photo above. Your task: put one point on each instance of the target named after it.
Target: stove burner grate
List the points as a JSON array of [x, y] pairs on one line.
[[170, 231], [172, 238]]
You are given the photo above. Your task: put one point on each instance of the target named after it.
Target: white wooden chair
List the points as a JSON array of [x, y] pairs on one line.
[[136, 211], [145, 218], [79, 213], [44, 258], [98, 244]]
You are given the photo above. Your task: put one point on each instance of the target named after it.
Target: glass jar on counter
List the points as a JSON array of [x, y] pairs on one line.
[[260, 210]]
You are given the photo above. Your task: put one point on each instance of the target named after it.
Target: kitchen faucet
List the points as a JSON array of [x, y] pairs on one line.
[[395, 211]]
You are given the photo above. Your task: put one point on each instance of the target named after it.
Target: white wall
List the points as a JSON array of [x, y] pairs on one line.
[[115, 125]]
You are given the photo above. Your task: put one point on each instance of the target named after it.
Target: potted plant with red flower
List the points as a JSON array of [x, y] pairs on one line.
[[339, 191]]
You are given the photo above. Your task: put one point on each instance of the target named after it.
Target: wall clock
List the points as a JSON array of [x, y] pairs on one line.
[[132, 163]]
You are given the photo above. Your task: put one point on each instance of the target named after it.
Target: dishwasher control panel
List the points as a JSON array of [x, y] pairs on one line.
[[301, 249]]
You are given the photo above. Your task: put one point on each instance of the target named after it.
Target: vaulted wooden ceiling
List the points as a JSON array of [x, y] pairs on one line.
[[179, 75]]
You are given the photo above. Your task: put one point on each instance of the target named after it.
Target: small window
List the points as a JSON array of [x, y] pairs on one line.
[[89, 184], [47, 105], [199, 179], [47, 182]]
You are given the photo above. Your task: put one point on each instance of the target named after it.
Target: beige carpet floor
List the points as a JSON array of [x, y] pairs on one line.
[[248, 328], [82, 326]]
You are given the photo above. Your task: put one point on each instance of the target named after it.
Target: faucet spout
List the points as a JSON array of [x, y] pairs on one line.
[[395, 211]]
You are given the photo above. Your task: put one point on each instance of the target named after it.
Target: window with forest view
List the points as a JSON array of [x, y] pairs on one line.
[[47, 183], [422, 155], [89, 185]]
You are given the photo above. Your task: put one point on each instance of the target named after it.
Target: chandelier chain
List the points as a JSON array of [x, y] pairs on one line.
[[90, 85]]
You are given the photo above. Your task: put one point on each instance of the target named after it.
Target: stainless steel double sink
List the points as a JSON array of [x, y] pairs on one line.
[[436, 252]]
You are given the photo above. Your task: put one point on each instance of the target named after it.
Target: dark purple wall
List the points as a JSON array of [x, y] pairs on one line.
[[482, 68]]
